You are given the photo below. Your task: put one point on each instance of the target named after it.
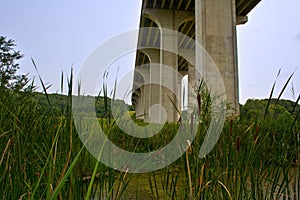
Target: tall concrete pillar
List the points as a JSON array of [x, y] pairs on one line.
[[138, 107], [154, 92], [142, 103], [147, 102], [216, 32], [169, 78], [144, 71], [169, 21]]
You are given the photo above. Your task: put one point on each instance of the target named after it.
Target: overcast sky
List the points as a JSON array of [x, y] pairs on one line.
[[60, 34]]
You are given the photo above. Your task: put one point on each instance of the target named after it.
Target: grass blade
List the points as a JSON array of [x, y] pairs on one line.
[[284, 87], [271, 95], [43, 85]]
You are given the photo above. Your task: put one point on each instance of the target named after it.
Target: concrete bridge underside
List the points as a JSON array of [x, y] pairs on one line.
[[212, 24]]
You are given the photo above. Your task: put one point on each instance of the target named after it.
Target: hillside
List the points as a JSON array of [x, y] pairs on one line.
[[58, 103], [255, 108]]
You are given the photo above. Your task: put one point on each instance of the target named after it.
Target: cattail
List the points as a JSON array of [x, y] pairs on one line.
[[199, 102], [238, 144], [256, 133], [230, 129], [37, 174], [180, 123], [189, 147], [192, 123]]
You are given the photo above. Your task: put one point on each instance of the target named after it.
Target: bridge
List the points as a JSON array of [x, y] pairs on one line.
[[210, 23]]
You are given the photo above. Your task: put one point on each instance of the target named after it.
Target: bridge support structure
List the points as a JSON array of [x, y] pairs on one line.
[[210, 23]]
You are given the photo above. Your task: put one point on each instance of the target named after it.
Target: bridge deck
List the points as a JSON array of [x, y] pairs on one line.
[[243, 7]]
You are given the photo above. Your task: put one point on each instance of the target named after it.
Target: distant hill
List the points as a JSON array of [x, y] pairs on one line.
[[253, 108], [256, 108], [59, 103]]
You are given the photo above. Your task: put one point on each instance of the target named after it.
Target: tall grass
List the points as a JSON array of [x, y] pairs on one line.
[[42, 157]]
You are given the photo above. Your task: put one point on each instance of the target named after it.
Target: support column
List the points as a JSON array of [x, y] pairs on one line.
[[145, 72], [142, 103], [147, 102], [216, 32], [138, 107], [168, 77], [154, 56], [168, 19]]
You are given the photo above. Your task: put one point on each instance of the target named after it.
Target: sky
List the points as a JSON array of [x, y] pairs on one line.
[[61, 34]]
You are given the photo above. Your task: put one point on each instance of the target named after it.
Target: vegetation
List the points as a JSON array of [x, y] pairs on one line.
[[59, 103], [42, 157], [255, 109], [9, 66]]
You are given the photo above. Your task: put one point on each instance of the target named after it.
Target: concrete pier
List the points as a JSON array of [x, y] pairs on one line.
[[212, 24]]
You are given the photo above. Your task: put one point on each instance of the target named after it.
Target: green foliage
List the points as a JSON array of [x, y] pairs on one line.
[[9, 66], [59, 104], [254, 109], [38, 145], [278, 130]]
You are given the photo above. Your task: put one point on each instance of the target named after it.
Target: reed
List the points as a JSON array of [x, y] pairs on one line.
[[42, 156]]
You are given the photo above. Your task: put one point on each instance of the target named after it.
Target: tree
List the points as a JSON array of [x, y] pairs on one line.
[[9, 79]]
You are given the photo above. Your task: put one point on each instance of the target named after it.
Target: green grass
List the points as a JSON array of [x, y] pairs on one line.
[[42, 156]]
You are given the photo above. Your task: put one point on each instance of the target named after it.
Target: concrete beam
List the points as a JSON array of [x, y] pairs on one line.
[[241, 19]]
